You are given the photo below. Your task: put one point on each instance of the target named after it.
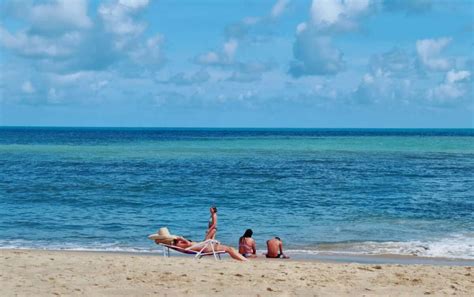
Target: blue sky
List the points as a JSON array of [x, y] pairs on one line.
[[247, 63]]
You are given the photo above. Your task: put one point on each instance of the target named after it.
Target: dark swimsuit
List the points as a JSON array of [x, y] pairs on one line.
[[278, 256]]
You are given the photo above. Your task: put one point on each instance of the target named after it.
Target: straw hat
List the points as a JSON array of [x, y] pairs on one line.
[[163, 235]]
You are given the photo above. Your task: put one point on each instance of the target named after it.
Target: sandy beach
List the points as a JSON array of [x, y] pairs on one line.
[[66, 273]]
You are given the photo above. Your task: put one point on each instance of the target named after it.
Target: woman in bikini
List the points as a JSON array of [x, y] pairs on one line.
[[212, 225], [184, 244], [247, 246]]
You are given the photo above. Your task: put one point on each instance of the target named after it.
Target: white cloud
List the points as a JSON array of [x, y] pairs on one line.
[[456, 86], [39, 46], [454, 76], [149, 53], [279, 8], [397, 62], [374, 88], [183, 79], [313, 50], [250, 72], [118, 16], [237, 33], [208, 58], [230, 47], [315, 55], [53, 96], [337, 14], [134, 4], [429, 53], [28, 88], [391, 78], [60, 14], [250, 21], [224, 57], [301, 27]]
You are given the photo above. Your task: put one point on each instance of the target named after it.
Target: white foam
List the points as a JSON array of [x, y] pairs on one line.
[[93, 247], [458, 246]]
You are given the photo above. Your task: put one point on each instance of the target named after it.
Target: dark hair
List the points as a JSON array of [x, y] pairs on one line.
[[248, 233], [214, 208], [276, 237]]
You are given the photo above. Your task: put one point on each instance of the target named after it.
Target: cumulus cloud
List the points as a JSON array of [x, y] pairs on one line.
[[250, 72], [456, 76], [337, 14], [315, 55], [184, 79], [209, 58], [279, 8], [230, 47], [391, 77], [149, 53], [371, 88], [222, 58], [80, 44], [118, 16], [429, 53], [62, 46], [235, 35], [313, 51], [397, 62], [456, 86], [27, 87], [59, 15], [37, 45]]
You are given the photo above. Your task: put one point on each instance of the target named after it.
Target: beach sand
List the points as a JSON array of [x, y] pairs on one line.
[[65, 273]]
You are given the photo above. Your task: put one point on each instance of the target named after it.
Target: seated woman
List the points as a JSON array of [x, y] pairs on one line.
[[184, 244], [247, 246]]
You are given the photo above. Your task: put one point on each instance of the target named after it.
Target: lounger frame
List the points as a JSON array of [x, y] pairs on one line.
[[197, 255]]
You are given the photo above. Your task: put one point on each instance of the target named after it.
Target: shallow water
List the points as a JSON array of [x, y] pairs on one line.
[[358, 191]]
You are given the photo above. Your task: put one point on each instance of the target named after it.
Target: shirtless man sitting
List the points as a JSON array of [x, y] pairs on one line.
[[275, 248]]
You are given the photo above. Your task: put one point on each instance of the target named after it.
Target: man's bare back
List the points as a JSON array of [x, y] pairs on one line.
[[275, 248]]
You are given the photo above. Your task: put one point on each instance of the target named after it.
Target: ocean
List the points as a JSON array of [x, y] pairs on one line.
[[323, 191]]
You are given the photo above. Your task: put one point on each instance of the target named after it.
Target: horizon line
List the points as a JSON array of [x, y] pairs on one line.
[[232, 127]]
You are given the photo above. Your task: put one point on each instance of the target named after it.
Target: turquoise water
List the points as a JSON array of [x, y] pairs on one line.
[[360, 191]]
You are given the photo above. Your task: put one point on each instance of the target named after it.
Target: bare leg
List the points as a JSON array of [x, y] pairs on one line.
[[211, 234], [233, 253]]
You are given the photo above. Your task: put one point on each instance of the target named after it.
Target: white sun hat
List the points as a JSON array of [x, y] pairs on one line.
[[163, 235]]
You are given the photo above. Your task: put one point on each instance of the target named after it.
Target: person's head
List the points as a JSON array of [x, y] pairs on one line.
[[248, 233], [277, 238], [213, 209]]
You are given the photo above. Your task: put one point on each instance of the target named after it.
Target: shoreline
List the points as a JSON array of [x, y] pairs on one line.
[[83, 273], [344, 258]]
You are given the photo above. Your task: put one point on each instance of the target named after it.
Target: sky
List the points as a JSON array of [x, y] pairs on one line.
[[237, 63]]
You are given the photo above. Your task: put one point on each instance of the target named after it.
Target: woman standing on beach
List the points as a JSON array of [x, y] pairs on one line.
[[247, 246], [212, 226]]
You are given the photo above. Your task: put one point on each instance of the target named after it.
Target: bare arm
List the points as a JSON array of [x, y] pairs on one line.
[[254, 247]]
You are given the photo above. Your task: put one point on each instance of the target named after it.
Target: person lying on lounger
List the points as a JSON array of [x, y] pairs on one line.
[[275, 248], [183, 243]]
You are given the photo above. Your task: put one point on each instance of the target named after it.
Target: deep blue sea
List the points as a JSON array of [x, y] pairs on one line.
[[356, 191]]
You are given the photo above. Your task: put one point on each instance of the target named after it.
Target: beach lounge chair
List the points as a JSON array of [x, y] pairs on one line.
[[198, 255], [165, 238]]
